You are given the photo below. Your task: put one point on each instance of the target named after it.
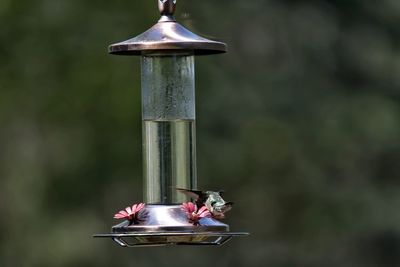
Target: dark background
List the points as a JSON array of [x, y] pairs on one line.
[[299, 122]]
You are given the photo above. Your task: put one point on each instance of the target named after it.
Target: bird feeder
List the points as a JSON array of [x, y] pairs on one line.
[[167, 52]]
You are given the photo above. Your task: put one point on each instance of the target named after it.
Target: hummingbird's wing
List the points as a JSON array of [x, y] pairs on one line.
[[195, 194], [229, 203]]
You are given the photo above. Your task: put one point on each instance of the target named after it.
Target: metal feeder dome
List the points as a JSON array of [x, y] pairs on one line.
[[167, 53]]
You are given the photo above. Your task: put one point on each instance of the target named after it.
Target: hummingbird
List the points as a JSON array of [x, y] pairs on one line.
[[211, 199]]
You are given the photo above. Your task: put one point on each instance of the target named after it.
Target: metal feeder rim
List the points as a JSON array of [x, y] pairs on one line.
[[161, 234], [157, 228]]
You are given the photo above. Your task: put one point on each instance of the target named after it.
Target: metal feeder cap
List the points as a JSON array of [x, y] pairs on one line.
[[167, 37]]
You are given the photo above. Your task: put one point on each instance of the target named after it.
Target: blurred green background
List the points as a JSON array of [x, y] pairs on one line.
[[299, 122]]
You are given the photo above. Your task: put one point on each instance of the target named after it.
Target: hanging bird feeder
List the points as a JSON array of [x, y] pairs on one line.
[[167, 217]]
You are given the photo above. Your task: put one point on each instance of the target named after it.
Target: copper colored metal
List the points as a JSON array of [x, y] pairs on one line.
[[167, 37]]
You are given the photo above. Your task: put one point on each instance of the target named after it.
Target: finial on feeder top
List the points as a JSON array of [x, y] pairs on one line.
[[167, 7]]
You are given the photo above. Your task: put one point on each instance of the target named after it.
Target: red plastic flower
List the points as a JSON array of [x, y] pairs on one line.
[[131, 213], [194, 214]]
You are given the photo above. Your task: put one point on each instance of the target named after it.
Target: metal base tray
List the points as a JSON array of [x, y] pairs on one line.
[[145, 239], [169, 225]]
